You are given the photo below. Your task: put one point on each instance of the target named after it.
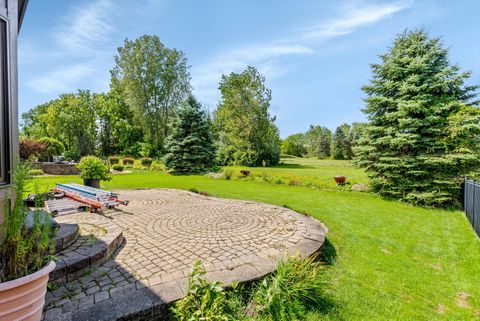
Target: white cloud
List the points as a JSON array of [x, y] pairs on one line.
[[265, 56], [86, 27], [81, 45], [61, 79], [354, 17]]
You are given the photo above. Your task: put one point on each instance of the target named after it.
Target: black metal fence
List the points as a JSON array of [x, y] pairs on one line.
[[471, 203]]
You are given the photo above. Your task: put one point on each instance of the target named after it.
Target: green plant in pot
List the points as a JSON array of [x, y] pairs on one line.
[[26, 253], [93, 170]]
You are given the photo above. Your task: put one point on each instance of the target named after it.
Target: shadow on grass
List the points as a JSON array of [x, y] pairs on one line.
[[328, 254], [294, 166]]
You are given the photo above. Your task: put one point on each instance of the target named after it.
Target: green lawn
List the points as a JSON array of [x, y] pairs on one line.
[[393, 261], [309, 171]]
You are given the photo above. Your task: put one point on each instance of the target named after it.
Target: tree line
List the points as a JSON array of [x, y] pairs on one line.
[[149, 85], [319, 141], [421, 138]]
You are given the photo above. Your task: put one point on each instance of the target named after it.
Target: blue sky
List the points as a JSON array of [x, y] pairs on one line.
[[315, 55]]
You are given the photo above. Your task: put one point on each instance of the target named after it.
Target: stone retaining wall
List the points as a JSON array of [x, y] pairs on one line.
[[58, 169]]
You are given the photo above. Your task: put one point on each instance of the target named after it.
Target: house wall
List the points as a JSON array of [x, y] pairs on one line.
[[9, 12]]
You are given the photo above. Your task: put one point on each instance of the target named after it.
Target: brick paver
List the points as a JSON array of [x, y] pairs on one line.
[[165, 231]]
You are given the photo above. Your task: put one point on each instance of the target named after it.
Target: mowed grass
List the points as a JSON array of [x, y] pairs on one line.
[[308, 171], [393, 261]]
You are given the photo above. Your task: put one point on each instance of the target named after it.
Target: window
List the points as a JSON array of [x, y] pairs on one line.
[[4, 109]]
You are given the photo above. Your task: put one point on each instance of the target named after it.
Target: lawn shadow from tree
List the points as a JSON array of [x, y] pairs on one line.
[[294, 166]]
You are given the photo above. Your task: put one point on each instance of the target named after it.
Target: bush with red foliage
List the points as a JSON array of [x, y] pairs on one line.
[[30, 148]]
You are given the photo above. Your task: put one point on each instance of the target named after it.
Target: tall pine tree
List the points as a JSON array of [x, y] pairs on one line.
[[339, 144], [190, 145], [407, 148]]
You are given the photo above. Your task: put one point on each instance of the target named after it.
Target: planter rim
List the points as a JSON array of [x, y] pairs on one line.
[[28, 278]]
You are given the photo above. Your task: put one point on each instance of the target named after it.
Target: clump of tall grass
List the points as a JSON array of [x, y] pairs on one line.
[[288, 293], [227, 174]]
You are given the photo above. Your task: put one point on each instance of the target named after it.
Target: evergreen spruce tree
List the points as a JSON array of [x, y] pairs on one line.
[[339, 143], [412, 97], [325, 142], [190, 146], [347, 143], [317, 141]]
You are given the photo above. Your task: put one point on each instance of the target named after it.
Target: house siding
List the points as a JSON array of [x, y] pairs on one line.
[[9, 12]]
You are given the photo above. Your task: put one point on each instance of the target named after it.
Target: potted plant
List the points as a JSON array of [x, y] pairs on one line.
[[340, 179], [93, 170], [25, 255]]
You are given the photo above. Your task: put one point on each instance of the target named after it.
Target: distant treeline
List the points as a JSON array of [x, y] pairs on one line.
[[320, 142], [149, 84]]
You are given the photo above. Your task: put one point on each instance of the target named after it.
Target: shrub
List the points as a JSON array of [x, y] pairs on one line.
[[93, 168], [114, 160], [293, 182], [30, 148], [35, 172], [118, 167], [24, 250], [53, 147], [264, 176], [278, 180], [128, 161], [227, 173], [286, 294], [71, 155], [158, 166], [146, 161]]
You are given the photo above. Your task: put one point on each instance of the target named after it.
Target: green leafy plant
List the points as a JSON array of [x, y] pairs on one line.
[[25, 248], [205, 300], [35, 172], [287, 293], [146, 161], [53, 147], [118, 167], [114, 160], [128, 161], [93, 168]]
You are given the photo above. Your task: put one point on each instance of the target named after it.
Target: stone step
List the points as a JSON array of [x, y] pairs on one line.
[[92, 247], [67, 234]]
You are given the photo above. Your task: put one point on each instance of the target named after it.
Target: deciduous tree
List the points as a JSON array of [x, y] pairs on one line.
[[294, 145], [247, 134], [153, 81]]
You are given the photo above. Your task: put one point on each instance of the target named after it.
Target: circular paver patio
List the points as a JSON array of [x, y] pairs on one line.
[[167, 230]]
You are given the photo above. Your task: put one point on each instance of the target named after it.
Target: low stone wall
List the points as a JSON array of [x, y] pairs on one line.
[[58, 169]]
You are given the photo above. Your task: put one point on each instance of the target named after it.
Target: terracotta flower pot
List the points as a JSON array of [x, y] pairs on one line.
[[340, 180], [23, 299]]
